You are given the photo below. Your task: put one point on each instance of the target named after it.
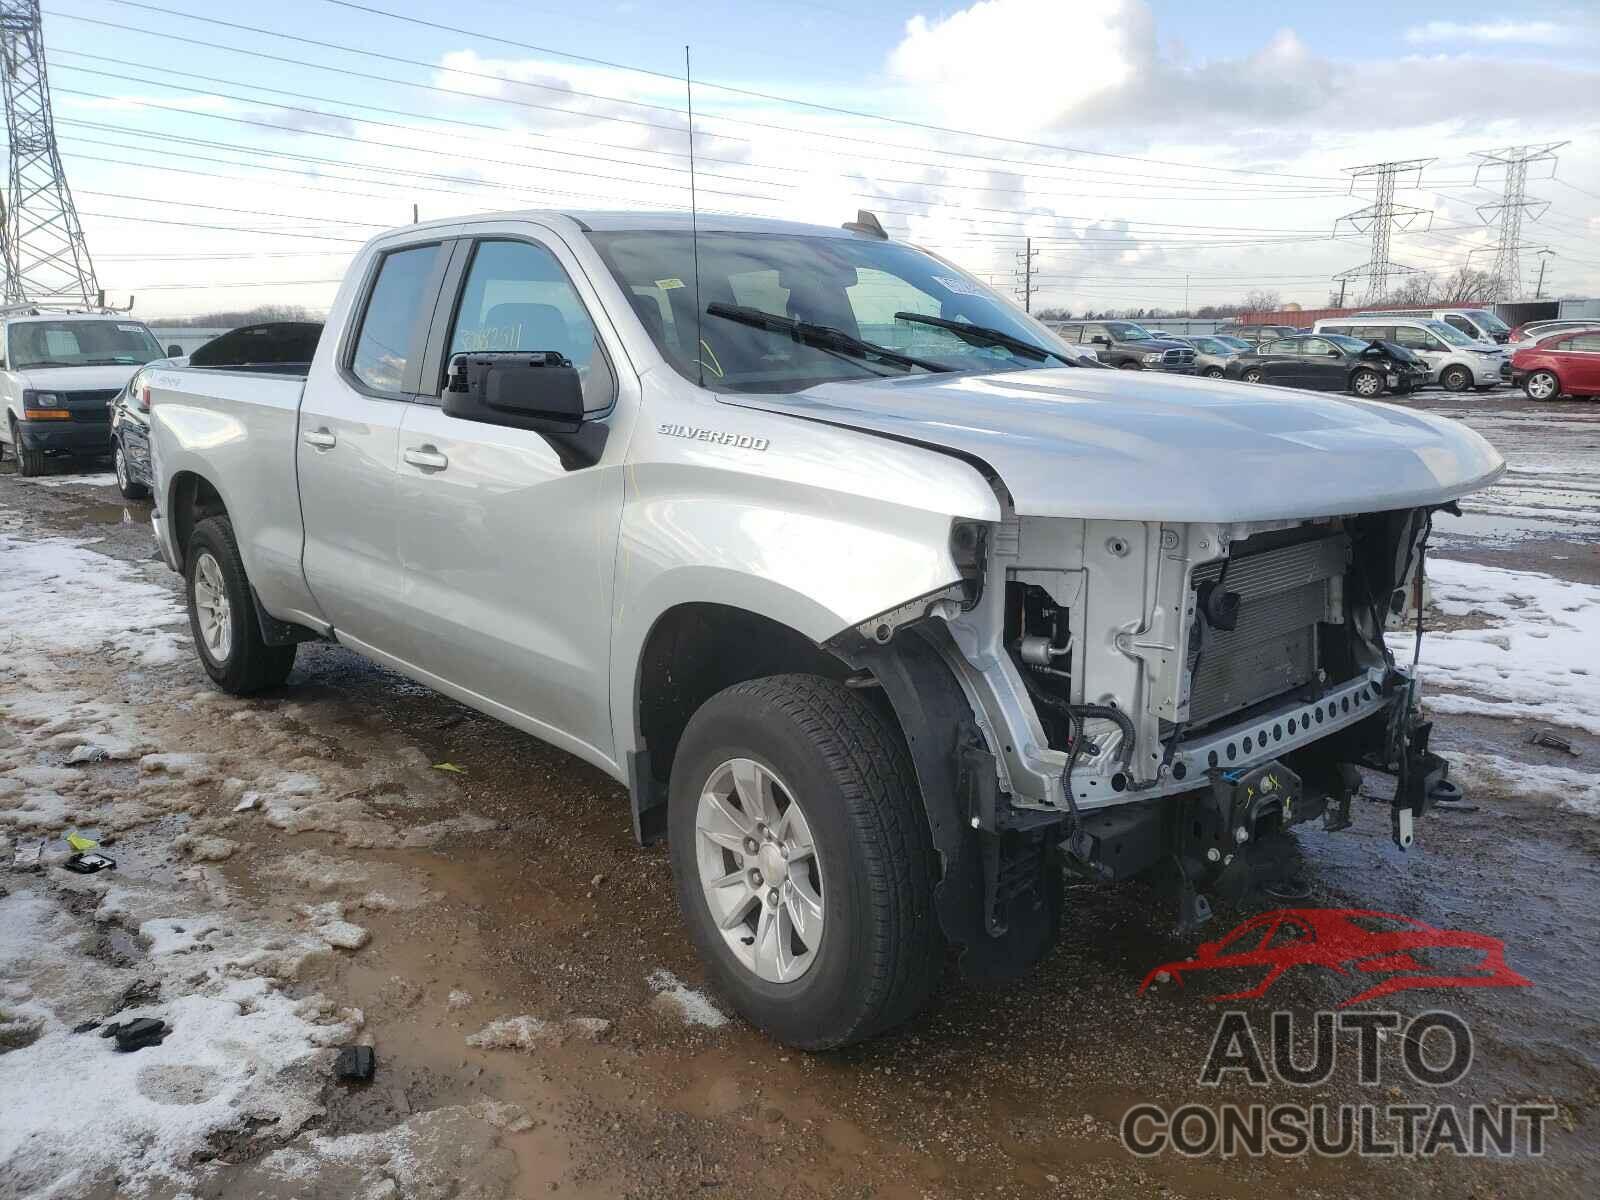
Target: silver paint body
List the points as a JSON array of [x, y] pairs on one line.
[[529, 591]]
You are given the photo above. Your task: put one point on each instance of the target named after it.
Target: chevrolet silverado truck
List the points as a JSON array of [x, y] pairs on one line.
[[887, 637]]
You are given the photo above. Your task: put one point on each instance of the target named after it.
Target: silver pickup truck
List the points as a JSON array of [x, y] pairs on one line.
[[888, 609]]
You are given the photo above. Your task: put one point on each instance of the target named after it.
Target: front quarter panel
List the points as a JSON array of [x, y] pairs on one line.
[[808, 524]]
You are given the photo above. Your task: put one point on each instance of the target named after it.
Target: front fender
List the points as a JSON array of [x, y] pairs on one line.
[[816, 560]]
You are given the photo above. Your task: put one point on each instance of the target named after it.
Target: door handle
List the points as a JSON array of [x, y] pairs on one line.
[[427, 458], [322, 439]]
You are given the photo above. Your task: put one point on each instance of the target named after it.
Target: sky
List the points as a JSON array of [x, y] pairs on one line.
[[1158, 153]]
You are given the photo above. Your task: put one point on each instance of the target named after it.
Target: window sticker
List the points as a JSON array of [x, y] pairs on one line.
[[666, 285], [957, 285]]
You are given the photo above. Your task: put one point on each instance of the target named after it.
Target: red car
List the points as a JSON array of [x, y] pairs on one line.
[[1564, 362], [1396, 953]]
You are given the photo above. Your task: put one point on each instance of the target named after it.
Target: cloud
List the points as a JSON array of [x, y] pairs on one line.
[[1493, 33]]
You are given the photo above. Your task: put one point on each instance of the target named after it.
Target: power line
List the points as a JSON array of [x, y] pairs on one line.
[[811, 104]]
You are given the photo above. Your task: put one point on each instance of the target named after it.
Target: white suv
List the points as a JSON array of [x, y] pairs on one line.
[[59, 370], [1455, 360]]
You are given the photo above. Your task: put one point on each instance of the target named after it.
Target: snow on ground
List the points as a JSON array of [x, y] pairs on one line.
[[86, 642], [1538, 657], [104, 479], [59, 596], [1577, 791], [676, 998]]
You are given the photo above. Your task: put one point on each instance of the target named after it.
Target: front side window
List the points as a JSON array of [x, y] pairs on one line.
[[1449, 333], [1461, 323], [1127, 332], [1316, 347], [1349, 345], [389, 325], [1488, 322], [79, 343], [854, 286], [518, 297]]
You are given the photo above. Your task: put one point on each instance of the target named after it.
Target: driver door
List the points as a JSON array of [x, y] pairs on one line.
[[1322, 365], [507, 546]]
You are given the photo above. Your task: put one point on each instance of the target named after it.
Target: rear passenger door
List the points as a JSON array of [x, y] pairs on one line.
[[508, 548], [349, 431]]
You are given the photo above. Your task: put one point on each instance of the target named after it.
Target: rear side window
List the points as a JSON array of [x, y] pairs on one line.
[[1584, 341], [389, 326]]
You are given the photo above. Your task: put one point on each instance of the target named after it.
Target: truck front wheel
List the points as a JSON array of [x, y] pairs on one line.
[[803, 862], [222, 615]]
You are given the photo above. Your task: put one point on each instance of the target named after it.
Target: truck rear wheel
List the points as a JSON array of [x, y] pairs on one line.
[[222, 615], [803, 861]]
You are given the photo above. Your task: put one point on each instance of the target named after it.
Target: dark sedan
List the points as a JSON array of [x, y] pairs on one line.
[[1331, 363]]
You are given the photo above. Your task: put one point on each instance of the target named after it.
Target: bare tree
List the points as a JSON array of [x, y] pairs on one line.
[[1464, 284], [1419, 289], [1260, 300]]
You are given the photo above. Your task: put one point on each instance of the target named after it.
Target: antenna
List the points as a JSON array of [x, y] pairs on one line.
[[694, 222]]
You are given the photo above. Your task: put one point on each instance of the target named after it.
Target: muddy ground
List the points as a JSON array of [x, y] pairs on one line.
[[545, 906]]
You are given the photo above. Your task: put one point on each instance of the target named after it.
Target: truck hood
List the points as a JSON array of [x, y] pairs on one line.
[[76, 379], [1137, 446]]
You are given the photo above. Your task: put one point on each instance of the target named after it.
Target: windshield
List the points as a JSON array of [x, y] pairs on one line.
[[1237, 343], [1449, 333], [1487, 320], [1211, 345], [1126, 331], [850, 285], [69, 343]]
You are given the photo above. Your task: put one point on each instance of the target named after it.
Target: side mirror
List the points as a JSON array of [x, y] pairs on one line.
[[534, 390], [174, 351], [1097, 340], [1334, 354]]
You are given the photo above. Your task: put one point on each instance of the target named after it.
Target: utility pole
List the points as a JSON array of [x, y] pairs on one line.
[[1514, 202], [1342, 284], [1544, 257], [43, 247], [1186, 311], [1025, 273], [1380, 219]]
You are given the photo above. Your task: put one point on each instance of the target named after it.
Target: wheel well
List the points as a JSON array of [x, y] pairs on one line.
[[692, 653], [193, 500]]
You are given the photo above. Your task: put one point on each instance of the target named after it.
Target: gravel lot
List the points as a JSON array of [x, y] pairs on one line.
[[295, 873]]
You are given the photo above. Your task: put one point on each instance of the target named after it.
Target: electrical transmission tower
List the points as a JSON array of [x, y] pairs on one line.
[[42, 243], [1024, 274], [1381, 218], [1506, 274]]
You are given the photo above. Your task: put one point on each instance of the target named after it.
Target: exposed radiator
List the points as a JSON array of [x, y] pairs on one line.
[[1283, 593]]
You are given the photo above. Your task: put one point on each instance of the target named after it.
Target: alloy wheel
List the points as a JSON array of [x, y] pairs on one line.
[[213, 607], [1542, 386], [760, 871]]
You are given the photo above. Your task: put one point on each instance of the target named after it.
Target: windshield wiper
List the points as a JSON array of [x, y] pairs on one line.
[[824, 337], [28, 366], [983, 335]]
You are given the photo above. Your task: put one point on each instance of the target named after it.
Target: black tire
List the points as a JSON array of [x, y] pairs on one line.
[[880, 950], [1212, 372], [30, 463], [125, 483], [1455, 379], [1546, 379], [1371, 381], [1251, 375], [250, 665], [1129, 366]]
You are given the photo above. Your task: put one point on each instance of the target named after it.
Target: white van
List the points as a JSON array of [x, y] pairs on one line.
[[1455, 360], [59, 371], [1477, 323]]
